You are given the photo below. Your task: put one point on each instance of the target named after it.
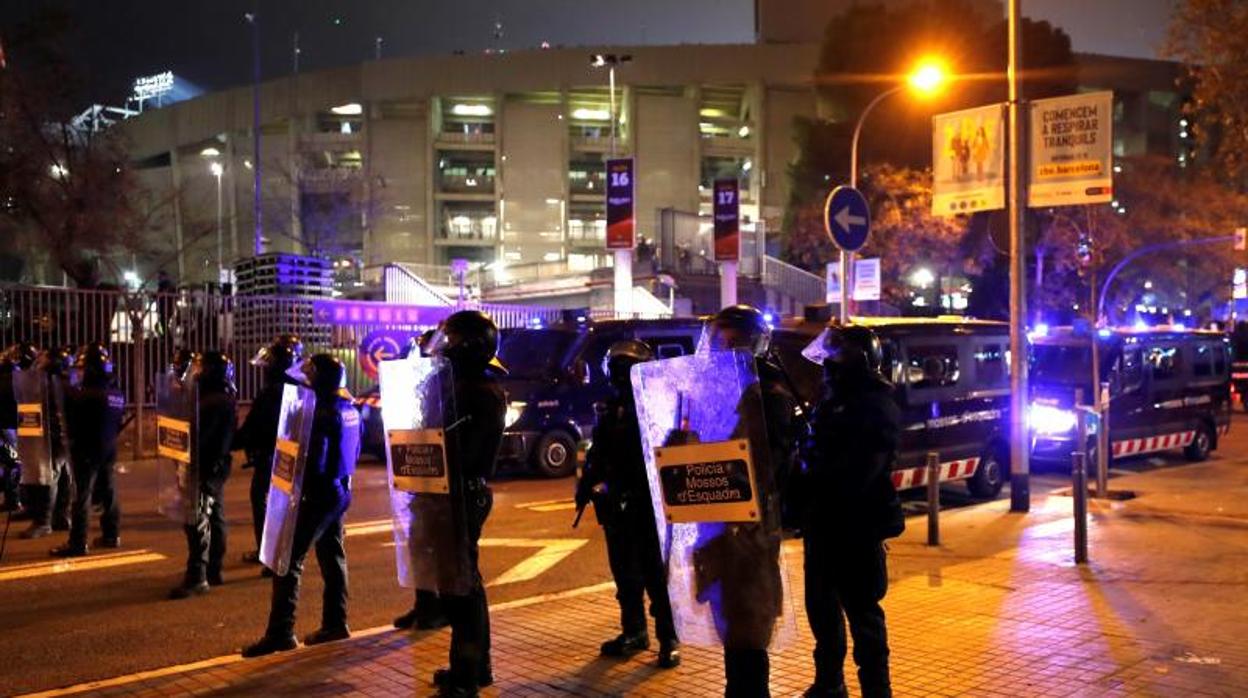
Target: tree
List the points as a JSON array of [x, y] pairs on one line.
[[1208, 36], [904, 233], [66, 189]]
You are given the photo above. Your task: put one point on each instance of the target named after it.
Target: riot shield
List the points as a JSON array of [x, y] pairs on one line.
[[294, 432], [177, 429], [715, 502], [426, 502], [34, 426]]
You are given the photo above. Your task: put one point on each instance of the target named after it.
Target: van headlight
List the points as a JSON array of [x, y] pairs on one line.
[[514, 410], [1046, 419]]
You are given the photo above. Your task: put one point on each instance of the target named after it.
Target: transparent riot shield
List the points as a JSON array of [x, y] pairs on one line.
[[177, 469], [429, 519], [715, 502], [294, 431], [34, 426]]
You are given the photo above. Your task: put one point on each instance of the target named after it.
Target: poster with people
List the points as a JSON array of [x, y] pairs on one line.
[[968, 161]]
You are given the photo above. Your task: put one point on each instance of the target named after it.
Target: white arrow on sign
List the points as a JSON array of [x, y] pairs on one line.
[[845, 219]]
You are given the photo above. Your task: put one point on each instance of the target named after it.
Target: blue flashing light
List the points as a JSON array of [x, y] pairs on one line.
[[1140, 325], [1040, 330], [1180, 326], [1104, 333], [536, 322]]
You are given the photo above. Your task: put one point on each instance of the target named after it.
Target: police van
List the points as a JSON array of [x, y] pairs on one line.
[[1169, 389], [951, 382], [555, 376]]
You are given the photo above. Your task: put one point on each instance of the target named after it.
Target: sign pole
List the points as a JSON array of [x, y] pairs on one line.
[[1020, 479], [847, 221], [623, 257], [726, 212]]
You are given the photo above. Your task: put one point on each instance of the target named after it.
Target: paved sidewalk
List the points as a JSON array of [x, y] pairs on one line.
[[999, 610]]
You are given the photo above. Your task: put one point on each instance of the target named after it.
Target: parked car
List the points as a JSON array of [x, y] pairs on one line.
[[1169, 388], [951, 381]]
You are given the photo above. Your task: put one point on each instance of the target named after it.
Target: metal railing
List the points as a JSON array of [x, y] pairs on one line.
[[143, 330], [795, 282]]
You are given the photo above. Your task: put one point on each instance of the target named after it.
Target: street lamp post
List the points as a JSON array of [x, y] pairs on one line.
[[253, 18], [217, 170], [927, 78], [623, 264]]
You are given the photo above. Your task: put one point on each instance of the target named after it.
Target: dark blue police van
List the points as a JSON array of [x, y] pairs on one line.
[[556, 377], [1169, 389], [951, 382]]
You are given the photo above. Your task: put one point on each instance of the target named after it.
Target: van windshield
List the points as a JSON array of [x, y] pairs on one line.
[[531, 353], [1066, 364]]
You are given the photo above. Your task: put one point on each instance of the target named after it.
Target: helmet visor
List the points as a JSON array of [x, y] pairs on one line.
[[825, 347]]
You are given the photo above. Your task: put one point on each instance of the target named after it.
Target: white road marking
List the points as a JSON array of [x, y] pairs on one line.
[[548, 505], [78, 564], [235, 658], [552, 552]]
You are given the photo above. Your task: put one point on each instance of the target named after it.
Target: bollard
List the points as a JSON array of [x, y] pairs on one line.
[[1104, 447], [1079, 486], [933, 498], [1079, 481]]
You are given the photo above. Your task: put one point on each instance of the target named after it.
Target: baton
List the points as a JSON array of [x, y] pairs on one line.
[[579, 513]]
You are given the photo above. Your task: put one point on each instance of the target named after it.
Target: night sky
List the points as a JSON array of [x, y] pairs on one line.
[[207, 42]]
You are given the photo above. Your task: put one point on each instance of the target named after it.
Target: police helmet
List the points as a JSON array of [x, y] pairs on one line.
[[622, 356], [53, 360], [181, 362], [467, 338], [214, 372], [740, 327], [279, 356], [847, 346], [22, 355], [95, 362], [324, 374]]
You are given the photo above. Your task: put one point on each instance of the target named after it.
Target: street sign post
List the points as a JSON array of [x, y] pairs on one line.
[[727, 231], [621, 228], [847, 220]]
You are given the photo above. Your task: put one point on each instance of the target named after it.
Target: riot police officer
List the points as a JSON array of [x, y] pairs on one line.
[[257, 436], [468, 339], [615, 481], [426, 612], [49, 502], [332, 451], [213, 374], [93, 409], [854, 508], [18, 357], [751, 608]]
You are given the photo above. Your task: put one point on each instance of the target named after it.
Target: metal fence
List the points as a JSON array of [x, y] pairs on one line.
[[143, 330]]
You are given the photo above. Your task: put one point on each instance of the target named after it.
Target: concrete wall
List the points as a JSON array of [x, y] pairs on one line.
[[533, 181], [666, 151]]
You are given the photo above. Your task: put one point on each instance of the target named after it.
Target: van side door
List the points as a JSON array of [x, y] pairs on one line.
[[1166, 366], [1130, 409]]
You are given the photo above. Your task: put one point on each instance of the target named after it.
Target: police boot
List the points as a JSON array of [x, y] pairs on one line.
[[103, 542], [625, 646], [818, 691], [669, 654], [406, 621], [188, 589], [327, 635], [442, 678], [269, 645], [68, 550]]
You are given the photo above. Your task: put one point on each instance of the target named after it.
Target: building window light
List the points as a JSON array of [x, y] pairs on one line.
[[210, 152], [352, 109], [471, 110], [584, 114], [744, 132]]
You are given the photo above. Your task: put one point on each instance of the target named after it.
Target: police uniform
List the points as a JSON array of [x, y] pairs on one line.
[[332, 451], [615, 479], [257, 437], [206, 540], [93, 415], [10, 469], [480, 408], [855, 435], [753, 591]]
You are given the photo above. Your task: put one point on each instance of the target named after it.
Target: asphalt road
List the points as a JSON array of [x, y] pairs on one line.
[[108, 615]]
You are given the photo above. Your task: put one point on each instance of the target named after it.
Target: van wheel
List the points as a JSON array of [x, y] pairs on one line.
[[555, 455], [1200, 447], [991, 474]]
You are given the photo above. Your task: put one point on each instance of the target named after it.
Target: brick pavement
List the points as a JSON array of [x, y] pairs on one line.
[[998, 611]]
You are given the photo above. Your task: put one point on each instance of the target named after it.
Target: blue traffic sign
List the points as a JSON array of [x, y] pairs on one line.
[[847, 218]]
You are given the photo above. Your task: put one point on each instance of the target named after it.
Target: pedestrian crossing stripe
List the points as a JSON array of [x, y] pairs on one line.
[[78, 564], [1151, 444], [950, 471]]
